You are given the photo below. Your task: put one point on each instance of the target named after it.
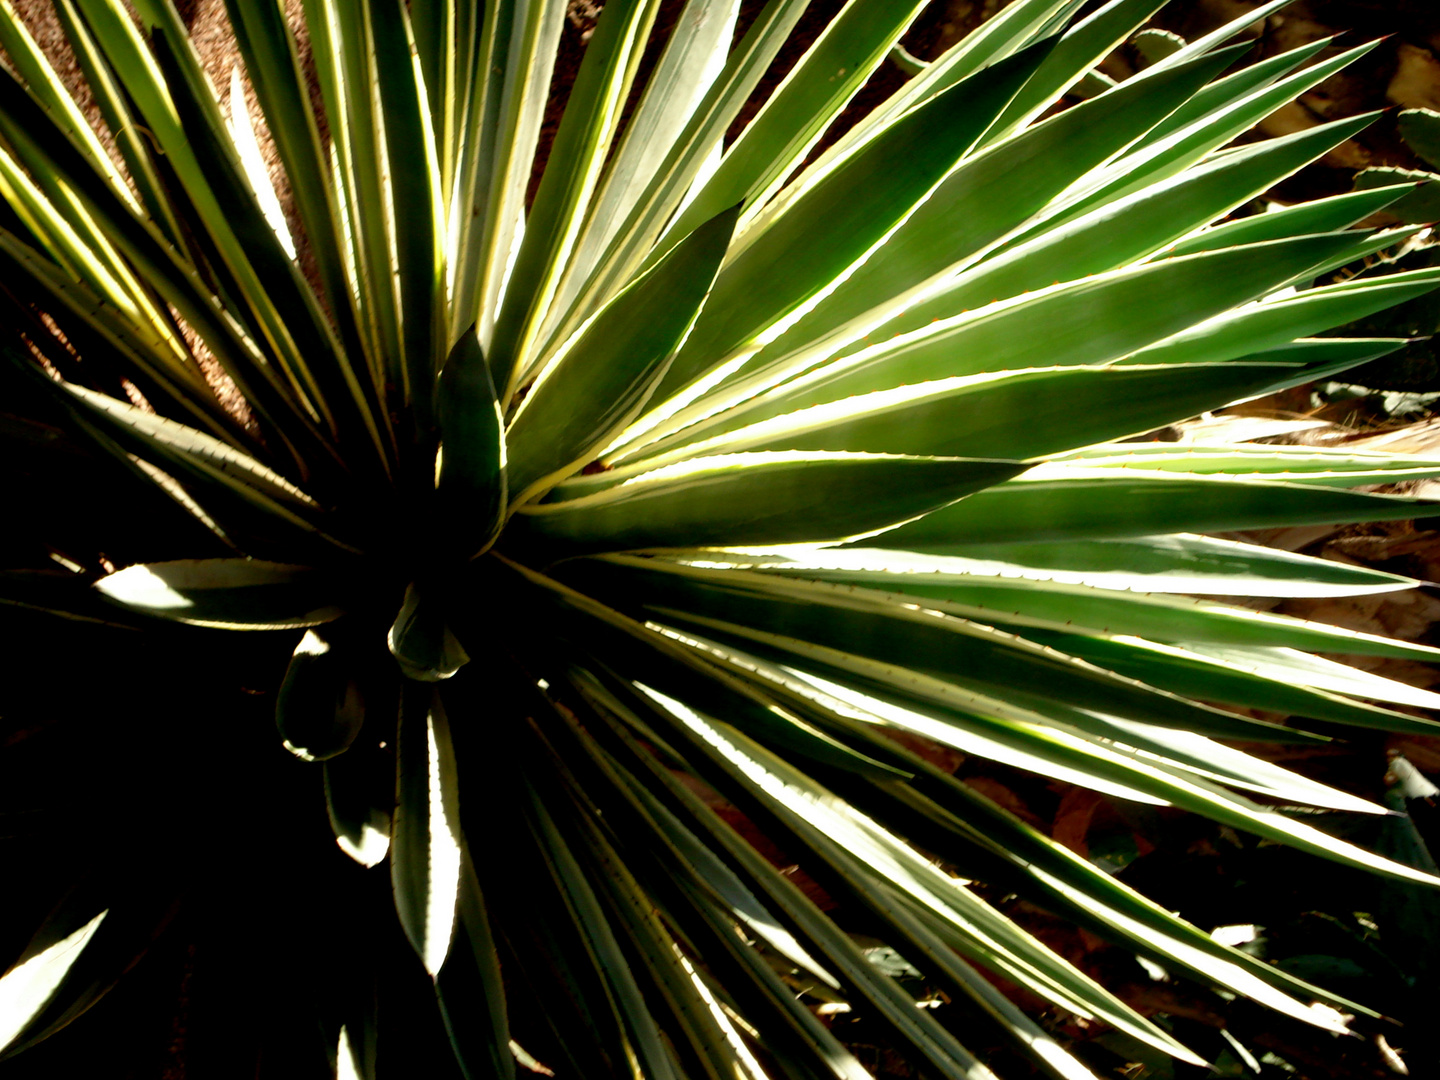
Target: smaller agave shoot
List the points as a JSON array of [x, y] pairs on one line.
[[694, 481]]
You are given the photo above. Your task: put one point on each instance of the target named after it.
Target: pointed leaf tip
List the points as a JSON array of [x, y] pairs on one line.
[[427, 853], [470, 481]]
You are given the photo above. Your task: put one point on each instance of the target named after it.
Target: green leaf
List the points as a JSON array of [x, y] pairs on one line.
[[235, 594], [31, 985], [97, 931], [1196, 795], [784, 262], [359, 798], [1060, 879], [65, 595], [861, 978], [1083, 46], [1419, 207], [642, 1034], [1085, 322], [320, 708], [840, 477], [1327, 466], [252, 160], [1321, 215], [426, 855], [471, 481], [891, 629], [1138, 225], [419, 210], [471, 990], [509, 93], [178, 104], [421, 639], [858, 855], [1420, 128], [138, 155], [175, 386], [640, 923], [1322, 357], [1238, 26], [696, 894], [742, 902], [994, 192], [634, 242], [1015, 414], [185, 443], [964, 822], [762, 498], [59, 222], [577, 155], [680, 670], [43, 81], [260, 508], [694, 56], [1047, 872], [1183, 671], [41, 144], [1081, 608], [1276, 322], [437, 39], [1180, 142], [833, 69], [603, 377], [1174, 563], [1090, 321], [1067, 504], [272, 62], [1300, 667], [885, 1000], [1182, 753], [1155, 45], [1011, 29], [341, 50]]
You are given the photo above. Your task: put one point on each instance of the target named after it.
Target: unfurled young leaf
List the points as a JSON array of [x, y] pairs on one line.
[[420, 637], [666, 486], [471, 481], [320, 707]]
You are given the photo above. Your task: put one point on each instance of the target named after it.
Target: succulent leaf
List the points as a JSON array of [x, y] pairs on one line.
[[654, 533]]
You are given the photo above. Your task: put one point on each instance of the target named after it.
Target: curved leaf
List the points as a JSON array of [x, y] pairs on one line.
[[319, 708], [421, 639], [236, 594]]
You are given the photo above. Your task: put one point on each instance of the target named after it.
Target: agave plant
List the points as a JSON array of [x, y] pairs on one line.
[[684, 506]]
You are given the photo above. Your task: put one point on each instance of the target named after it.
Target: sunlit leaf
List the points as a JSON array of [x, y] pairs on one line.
[[646, 464]]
